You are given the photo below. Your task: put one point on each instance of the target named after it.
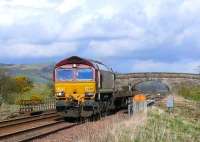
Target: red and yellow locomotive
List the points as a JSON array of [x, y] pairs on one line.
[[83, 88]]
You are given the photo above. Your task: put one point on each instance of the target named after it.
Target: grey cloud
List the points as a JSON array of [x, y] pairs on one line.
[[160, 31]]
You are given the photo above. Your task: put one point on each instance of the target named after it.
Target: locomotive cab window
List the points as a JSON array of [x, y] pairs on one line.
[[64, 74], [84, 74]]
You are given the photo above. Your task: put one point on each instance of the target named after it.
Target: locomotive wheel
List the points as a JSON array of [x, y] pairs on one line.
[[106, 109], [82, 119], [97, 115]]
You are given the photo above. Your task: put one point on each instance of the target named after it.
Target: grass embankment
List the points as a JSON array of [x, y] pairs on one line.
[[162, 127], [183, 125], [189, 92]]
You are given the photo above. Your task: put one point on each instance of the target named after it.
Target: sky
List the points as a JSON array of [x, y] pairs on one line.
[[128, 35]]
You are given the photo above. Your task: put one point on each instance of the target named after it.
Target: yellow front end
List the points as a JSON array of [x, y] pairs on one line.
[[77, 91]]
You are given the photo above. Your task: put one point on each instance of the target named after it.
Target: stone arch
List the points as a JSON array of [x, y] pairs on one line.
[[153, 83]]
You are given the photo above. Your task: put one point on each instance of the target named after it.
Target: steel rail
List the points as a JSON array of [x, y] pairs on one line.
[[27, 119], [48, 133], [31, 133]]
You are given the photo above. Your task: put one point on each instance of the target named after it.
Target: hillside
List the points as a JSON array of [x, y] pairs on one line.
[[39, 73]]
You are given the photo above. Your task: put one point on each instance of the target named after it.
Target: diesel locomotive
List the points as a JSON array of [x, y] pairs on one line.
[[84, 88]]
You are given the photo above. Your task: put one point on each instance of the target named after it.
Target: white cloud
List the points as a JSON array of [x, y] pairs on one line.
[[68, 5], [6, 19], [115, 47], [15, 12], [189, 66], [152, 9], [189, 8], [107, 12], [29, 3], [20, 50]]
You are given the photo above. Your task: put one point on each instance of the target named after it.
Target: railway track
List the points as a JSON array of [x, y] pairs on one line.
[[27, 119], [36, 132], [32, 127], [154, 100]]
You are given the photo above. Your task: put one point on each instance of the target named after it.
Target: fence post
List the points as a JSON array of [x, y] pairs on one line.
[[130, 107]]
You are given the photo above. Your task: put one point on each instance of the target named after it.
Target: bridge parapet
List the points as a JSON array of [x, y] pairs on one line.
[[158, 75], [170, 79]]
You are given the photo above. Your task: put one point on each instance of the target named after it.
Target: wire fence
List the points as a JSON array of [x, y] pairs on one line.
[[8, 111], [182, 103], [182, 106]]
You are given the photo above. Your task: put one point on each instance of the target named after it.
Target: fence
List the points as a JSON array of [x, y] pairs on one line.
[[33, 106], [182, 103], [135, 107], [8, 111], [183, 106]]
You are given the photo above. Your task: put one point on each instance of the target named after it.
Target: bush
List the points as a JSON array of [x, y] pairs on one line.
[[32, 100], [23, 83], [9, 90], [37, 99], [11, 87]]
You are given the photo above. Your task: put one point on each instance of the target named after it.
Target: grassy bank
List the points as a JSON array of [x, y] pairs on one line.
[[157, 125], [189, 92], [163, 127]]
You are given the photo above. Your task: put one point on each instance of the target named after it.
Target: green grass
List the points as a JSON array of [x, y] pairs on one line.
[[157, 126], [191, 92], [168, 128]]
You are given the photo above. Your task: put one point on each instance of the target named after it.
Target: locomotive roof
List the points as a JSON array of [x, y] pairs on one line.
[[79, 60]]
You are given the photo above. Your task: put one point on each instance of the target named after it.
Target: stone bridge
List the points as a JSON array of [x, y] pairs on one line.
[[170, 79]]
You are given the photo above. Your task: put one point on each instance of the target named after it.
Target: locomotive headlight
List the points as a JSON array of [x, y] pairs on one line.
[[74, 66], [60, 94]]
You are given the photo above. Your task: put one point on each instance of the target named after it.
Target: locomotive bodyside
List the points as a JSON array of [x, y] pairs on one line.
[[83, 88]]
